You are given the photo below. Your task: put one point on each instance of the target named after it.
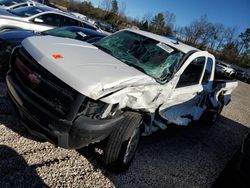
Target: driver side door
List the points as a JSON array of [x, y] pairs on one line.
[[183, 104]]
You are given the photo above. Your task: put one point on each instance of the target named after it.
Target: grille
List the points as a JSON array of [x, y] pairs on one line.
[[41, 86]]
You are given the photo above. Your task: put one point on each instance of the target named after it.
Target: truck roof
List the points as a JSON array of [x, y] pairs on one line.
[[178, 45]]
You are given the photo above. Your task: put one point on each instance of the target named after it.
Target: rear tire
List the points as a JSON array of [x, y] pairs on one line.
[[122, 143], [211, 115]]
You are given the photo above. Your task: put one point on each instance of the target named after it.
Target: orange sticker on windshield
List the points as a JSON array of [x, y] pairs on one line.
[[57, 56]]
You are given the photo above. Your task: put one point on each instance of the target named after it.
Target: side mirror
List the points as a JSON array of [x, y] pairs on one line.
[[38, 20]]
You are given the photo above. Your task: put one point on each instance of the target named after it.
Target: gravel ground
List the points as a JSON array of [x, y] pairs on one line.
[[190, 156]]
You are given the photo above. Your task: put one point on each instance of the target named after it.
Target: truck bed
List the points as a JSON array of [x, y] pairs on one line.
[[224, 84], [223, 80], [221, 77]]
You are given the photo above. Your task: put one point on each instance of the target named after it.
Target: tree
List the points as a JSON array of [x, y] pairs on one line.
[[122, 9], [245, 47], [230, 34], [115, 6], [196, 33], [230, 52], [245, 40], [147, 17], [158, 24], [106, 5], [217, 43], [169, 19], [245, 58]]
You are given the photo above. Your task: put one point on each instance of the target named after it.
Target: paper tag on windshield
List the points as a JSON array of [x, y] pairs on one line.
[[165, 47], [81, 34]]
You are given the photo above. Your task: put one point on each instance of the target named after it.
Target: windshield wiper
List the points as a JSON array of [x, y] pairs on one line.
[[103, 49], [135, 66]]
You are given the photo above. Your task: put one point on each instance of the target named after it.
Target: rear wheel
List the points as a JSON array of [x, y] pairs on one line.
[[122, 143], [211, 114]]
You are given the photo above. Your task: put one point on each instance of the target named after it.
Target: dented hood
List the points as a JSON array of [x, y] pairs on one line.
[[83, 66]]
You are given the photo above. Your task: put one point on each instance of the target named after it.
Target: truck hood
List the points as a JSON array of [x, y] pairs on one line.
[[83, 66]]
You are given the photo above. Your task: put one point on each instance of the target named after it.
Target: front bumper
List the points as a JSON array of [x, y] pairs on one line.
[[71, 134]]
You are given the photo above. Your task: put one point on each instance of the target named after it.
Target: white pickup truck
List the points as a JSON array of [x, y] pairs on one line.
[[129, 84]]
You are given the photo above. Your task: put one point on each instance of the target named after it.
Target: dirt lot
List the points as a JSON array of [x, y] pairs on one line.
[[190, 156]]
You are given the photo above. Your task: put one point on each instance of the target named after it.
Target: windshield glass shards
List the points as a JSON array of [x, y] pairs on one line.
[[152, 57]]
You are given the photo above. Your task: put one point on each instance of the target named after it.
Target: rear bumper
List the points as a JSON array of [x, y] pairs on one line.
[[70, 134]]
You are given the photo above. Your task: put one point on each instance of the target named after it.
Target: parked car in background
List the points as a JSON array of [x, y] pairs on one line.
[[128, 84], [23, 4], [39, 18], [105, 26], [243, 75], [19, 5], [78, 15], [224, 68], [10, 39], [7, 3]]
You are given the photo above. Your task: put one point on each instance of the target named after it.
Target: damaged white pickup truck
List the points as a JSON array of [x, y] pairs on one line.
[[129, 84]]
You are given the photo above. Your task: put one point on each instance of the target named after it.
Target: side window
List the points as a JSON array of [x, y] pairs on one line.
[[66, 21], [192, 73], [19, 6], [88, 26], [50, 19], [208, 71]]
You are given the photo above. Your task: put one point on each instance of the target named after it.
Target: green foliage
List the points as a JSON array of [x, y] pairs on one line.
[[111, 18], [158, 24], [230, 52], [245, 38], [115, 7], [245, 47]]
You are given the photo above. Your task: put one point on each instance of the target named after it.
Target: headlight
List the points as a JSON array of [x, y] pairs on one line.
[[96, 109]]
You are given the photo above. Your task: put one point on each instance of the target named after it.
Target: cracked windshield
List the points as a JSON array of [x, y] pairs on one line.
[[152, 57]]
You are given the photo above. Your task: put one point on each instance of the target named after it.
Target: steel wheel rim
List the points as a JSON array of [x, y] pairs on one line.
[[132, 145]]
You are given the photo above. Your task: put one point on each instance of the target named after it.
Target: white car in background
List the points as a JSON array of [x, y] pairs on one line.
[[39, 18], [224, 68], [80, 16]]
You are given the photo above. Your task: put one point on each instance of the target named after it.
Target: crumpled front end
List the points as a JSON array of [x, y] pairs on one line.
[[52, 110]]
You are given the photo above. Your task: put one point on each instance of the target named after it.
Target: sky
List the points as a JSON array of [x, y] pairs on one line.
[[233, 13]]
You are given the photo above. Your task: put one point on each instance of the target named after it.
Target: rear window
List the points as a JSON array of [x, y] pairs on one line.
[[66, 21], [50, 19]]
